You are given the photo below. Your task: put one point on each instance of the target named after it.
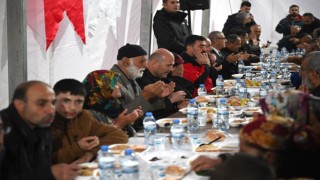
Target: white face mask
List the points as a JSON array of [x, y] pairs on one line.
[[133, 71]]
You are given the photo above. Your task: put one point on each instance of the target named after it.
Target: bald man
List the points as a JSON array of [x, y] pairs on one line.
[[159, 65]]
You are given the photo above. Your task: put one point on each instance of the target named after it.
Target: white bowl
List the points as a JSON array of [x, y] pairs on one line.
[[162, 122], [250, 110], [237, 75], [236, 122]]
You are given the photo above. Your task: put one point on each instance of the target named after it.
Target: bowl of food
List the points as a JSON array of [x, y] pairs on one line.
[[88, 171], [120, 148], [236, 122], [165, 122], [237, 75], [250, 110]]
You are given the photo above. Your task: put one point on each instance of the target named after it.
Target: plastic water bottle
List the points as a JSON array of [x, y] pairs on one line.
[[106, 163], [237, 86], [243, 91], [261, 57], [177, 134], [192, 115], [219, 85], [264, 72], [284, 52], [150, 129], [273, 79], [248, 74], [223, 115], [130, 165], [202, 91], [240, 67], [263, 91]]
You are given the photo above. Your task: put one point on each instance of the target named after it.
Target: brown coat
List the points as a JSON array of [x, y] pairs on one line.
[[68, 132]]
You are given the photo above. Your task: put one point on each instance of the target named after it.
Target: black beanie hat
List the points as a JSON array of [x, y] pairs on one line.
[[130, 50]]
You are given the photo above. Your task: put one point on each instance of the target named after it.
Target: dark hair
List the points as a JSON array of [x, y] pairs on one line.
[[73, 86], [241, 33], [308, 14], [292, 6], [232, 38], [21, 90], [164, 1], [193, 38], [214, 35], [245, 3]]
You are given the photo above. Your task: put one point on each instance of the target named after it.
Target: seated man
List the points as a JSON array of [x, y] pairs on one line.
[[197, 68], [246, 49], [230, 65], [77, 135], [160, 64], [218, 42], [310, 73], [310, 23], [28, 141]]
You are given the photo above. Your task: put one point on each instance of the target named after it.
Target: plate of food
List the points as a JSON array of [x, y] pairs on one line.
[[120, 148], [237, 102], [253, 83], [88, 171], [163, 122], [250, 110], [236, 122]]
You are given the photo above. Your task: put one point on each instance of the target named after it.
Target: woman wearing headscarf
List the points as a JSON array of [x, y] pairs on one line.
[[102, 93]]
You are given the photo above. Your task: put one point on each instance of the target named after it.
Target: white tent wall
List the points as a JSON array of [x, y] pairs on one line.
[[109, 24]]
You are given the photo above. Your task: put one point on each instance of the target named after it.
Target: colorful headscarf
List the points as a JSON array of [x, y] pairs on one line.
[[99, 85]]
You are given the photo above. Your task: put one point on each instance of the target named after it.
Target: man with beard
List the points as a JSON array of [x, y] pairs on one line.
[[160, 64], [310, 73], [294, 18], [310, 23], [170, 26], [28, 140], [132, 62], [197, 67]]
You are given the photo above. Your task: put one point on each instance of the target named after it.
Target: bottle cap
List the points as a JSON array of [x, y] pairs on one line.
[[222, 100], [201, 85], [148, 114], [192, 100], [219, 76], [104, 148], [128, 151], [176, 121]]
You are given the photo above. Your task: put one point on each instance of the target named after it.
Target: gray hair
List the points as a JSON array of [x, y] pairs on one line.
[[242, 15], [314, 62], [214, 35]]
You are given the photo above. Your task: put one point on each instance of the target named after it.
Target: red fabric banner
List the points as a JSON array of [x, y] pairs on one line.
[[54, 10]]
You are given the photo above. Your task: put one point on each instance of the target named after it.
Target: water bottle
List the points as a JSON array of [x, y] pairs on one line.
[[219, 85], [273, 79], [192, 115], [237, 86], [284, 52], [150, 129], [177, 134], [106, 162], [130, 165], [248, 74], [264, 72], [261, 57], [240, 67], [202, 91], [263, 91], [243, 91], [223, 115]]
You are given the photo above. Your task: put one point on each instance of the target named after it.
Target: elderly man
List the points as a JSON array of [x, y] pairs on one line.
[[310, 73], [218, 42], [132, 62], [245, 7], [294, 18], [197, 67], [77, 134], [160, 64], [242, 19], [28, 141], [170, 27]]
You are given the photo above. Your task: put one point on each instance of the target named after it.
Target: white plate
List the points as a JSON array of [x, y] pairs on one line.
[[162, 122], [250, 110], [236, 122], [237, 75], [183, 110], [95, 171]]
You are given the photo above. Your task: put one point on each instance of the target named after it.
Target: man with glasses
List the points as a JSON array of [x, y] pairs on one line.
[[310, 73]]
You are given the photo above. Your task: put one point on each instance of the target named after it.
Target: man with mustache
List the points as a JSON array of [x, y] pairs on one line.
[[294, 18], [132, 61], [160, 64], [28, 140], [310, 73], [197, 66]]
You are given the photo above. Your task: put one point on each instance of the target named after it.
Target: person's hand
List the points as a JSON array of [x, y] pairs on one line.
[[88, 143], [167, 89], [218, 68], [65, 171], [244, 57], [183, 104], [116, 91], [124, 118], [212, 59], [153, 90], [177, 96], [202, 58], [304, 88], [204, 163], [294, 40], [87, 157], [233, 57]]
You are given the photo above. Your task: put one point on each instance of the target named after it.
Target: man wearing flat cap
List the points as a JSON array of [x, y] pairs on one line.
[[132, 62]]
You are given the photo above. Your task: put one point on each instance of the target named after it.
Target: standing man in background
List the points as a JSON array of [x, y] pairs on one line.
[[294, 18], [170, 27]]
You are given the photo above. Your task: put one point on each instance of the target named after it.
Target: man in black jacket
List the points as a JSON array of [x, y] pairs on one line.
[[310, 23], [28, 142], [170, 27]]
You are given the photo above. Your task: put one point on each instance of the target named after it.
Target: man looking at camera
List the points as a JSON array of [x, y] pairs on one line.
[[77, 134]]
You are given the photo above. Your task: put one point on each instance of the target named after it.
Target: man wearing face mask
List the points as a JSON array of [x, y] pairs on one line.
[[132, 62], [294, 18], [197, 67]]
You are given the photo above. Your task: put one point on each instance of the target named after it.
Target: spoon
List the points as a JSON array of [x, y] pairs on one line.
[[210, 141]]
